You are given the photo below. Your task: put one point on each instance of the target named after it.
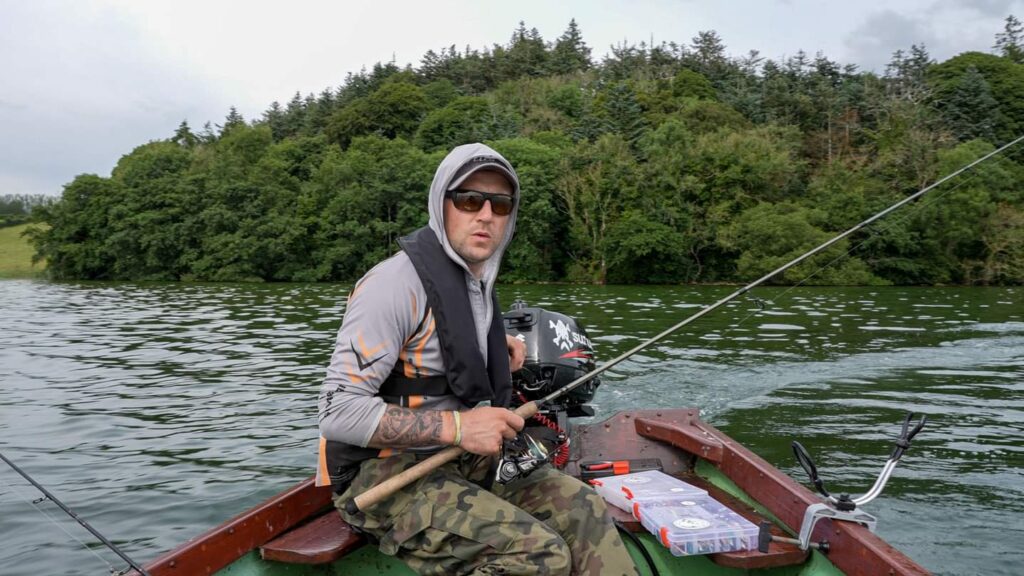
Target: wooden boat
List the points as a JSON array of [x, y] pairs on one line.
[[298, 532]]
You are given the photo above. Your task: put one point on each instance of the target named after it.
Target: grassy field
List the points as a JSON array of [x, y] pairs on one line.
[[16, 254]]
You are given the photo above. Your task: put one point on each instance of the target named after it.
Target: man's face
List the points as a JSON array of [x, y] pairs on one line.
[[476, 235]]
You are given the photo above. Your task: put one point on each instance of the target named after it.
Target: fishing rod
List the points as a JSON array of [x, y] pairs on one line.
[[421, 469], [71, 513]]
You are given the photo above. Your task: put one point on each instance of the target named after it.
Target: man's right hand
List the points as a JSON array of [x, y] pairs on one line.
[[486, 427]]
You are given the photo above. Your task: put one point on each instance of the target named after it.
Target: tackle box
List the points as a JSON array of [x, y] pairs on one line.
[[629, 491], [698, 526]]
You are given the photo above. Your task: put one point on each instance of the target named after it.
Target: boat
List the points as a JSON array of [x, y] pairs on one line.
[[299, 532]]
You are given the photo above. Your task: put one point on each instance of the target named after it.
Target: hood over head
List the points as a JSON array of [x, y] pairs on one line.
[[458, 165]]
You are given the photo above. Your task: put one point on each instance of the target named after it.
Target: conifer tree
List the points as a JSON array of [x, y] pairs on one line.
[[318, 112], [207, 136], [274, 117], [571, 53], [905, 74], [183, 136], [625, 113], [526, 54], [707, 56], [294, 117], [231, 121], [1010, 42], [432, 65], [971, 111]]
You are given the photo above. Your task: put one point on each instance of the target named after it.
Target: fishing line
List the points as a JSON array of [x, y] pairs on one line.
[[876, 231], [35, 504], [81, 522]]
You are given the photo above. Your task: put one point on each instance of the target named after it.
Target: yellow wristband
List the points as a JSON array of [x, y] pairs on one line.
[[458, 428]]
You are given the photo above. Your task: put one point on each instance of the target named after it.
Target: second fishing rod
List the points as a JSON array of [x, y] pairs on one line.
[[529, 409]]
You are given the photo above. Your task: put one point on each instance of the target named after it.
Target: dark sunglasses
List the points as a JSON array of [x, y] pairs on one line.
[[473, 201]]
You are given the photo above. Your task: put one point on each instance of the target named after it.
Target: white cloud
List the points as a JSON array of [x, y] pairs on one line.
[[944, 27]]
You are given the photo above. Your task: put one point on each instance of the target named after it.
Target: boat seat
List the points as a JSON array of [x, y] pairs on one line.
[[321, 541]]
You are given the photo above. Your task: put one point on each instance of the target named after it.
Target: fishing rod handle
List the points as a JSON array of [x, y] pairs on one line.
[[401, 480], [408, 476]]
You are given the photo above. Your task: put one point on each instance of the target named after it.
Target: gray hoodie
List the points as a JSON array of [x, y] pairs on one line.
[[388, 327]]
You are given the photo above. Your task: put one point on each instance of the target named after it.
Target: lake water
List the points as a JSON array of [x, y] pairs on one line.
[[157, 411]]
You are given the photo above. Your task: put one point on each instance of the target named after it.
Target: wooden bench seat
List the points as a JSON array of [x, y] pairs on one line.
[[321, 541]]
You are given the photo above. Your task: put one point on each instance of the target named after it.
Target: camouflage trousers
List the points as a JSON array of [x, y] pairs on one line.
[[546, 523]]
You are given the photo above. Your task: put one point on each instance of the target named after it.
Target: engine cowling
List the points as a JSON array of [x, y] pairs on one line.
[[558, 351]]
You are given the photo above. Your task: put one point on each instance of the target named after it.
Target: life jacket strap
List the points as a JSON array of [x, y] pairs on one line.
[[403, 386]]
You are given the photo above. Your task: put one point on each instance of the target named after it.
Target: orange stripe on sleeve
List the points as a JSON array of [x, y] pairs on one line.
[[385, 452], [423, 343], [408, 370], [368, 353], [323, 478], [353, 375], [415, 401], [407, 367]]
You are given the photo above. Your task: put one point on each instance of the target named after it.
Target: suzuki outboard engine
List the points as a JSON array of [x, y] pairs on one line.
[[557, 352]]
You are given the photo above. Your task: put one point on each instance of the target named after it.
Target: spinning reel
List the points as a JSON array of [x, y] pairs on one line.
[[523, 454]]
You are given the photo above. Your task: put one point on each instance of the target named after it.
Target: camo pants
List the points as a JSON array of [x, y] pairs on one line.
[[546, 523]]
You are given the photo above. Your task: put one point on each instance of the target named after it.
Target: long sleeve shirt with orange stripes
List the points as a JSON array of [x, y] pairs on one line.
[[387, 329]]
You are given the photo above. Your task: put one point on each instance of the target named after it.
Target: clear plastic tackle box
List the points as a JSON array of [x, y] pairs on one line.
[[698, 526], [630, 491]]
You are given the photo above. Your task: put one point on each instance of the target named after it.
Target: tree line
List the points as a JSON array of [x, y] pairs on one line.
[[17, 208], [661, 163]]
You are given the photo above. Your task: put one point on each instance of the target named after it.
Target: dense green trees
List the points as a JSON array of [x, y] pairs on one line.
[[952, 81], [666, 163]]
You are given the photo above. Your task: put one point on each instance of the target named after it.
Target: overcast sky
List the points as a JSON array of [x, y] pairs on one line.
[[82, 82]]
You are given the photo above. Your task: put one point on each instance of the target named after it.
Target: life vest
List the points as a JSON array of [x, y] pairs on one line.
[[467, 376]]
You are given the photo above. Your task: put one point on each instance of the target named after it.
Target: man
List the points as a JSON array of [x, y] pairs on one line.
[[422, 362]]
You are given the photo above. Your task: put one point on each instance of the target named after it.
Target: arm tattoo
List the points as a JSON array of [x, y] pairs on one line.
[[403, 428]]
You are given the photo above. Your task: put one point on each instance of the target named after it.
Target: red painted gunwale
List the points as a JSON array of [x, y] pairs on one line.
[[854, 549], [219, 547]]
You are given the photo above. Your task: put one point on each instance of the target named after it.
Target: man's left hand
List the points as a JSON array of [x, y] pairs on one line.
[[516, 352]]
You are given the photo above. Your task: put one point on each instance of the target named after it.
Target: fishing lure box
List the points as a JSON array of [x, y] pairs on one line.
[[630, 491], [698, 526]]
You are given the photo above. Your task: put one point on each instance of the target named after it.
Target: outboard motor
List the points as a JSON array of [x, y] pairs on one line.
[[558, 351]]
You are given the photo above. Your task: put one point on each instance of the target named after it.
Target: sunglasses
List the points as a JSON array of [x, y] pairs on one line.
[[473, 201]]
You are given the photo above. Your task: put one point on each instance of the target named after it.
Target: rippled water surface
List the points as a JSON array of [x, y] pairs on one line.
[[159, 410]]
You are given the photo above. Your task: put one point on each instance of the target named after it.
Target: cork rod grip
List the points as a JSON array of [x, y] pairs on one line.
[[421, 469]]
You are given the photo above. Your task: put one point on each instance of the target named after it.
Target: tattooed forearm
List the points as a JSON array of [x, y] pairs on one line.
[[404, 428]]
